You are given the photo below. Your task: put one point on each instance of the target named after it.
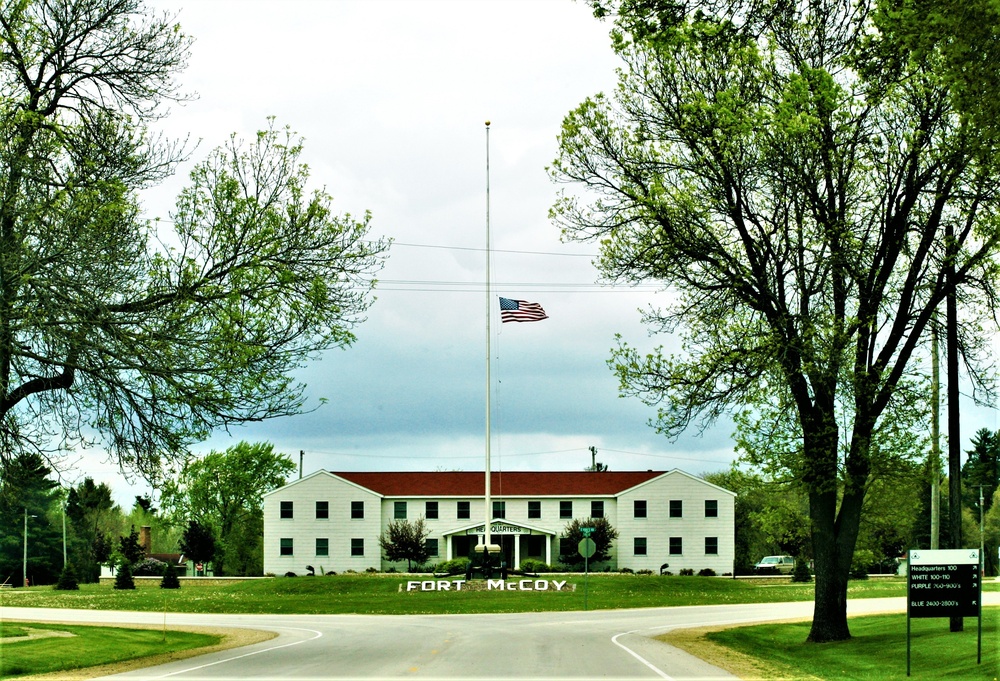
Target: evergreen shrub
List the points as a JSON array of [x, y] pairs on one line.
[[170, 580], [67, 580], [123, 579]]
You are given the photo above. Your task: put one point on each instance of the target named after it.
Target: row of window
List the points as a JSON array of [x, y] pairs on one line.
[[287, 546], [639, 546], [463, 509], [676, 546]]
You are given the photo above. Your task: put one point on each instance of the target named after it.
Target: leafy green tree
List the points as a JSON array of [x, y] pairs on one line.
[[958, 36], [147, 336], [164, 533], [102, 548], [991, 534], [889, 521], [771, 516], [982, 467], [604, 536], [223, 491], [808, 208], [403, 540], [129, 548], [89, 514], [198, 542], [28, 493], [145, 504], [244, 547]]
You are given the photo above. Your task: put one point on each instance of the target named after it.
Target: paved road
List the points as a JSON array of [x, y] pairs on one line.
[[560, 645]]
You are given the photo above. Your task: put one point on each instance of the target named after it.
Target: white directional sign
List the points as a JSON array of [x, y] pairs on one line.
[[944, 583]]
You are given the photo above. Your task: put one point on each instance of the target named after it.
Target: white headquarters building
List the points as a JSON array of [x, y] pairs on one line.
[[332, 521]]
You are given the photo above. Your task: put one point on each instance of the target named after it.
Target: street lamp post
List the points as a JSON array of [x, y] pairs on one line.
[[25, 564]]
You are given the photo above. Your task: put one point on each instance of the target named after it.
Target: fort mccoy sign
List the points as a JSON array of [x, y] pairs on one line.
[[487, 585]]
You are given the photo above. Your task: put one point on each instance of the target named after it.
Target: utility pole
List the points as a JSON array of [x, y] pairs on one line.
[[302, 456], [594, 466], [982, 535], [24, 574]]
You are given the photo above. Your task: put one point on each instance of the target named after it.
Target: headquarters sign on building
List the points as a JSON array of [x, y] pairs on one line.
[[333, 520]]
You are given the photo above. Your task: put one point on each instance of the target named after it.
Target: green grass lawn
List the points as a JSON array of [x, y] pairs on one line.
[[380, 594], [88, 646], [876, 651]]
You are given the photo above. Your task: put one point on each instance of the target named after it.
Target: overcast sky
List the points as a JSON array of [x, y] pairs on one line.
[[391, 98]]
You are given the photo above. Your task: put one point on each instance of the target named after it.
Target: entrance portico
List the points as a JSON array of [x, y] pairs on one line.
[[516, 540]]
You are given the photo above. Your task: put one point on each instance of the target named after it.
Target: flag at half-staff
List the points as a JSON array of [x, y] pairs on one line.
[[520, 311]]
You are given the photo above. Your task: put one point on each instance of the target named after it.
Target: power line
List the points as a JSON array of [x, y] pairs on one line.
[[166, 221], [534, 287], [495, 250], [478, 456]]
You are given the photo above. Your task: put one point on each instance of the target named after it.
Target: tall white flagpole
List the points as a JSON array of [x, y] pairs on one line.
[[489, 310]]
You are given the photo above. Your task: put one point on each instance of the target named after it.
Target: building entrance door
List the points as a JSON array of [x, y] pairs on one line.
[[462, 544], [506, 542]]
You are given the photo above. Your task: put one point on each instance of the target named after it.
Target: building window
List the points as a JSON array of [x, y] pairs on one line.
[[399, 510], [286, 546], [639, 508], [639, 546], [499, 509], [464, 510], [565, 509], [711, 508], [357, 510], [534, 509], [357, 547], [322, 546], [676, 546], [286, 509], [322, 510], [432, 546], [596, 509], [676, 508], [711, 546], [431, 510]]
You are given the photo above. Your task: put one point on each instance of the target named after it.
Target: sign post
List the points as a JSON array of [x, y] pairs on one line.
[[944, 583], [586, 547]]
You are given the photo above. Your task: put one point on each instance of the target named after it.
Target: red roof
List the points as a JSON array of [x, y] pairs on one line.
[[514, 484]]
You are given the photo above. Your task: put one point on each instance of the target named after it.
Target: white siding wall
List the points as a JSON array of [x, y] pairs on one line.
[[304, 528], [692, 528]]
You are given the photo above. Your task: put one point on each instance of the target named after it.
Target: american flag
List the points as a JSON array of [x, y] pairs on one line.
[[520, 311]]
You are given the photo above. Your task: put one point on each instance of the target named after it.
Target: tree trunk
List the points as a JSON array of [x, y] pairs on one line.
[[830, 605], [835, 530], [954, 438]]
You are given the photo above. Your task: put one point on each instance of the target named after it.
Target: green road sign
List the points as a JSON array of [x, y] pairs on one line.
[[587, 547], [586, 531]]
